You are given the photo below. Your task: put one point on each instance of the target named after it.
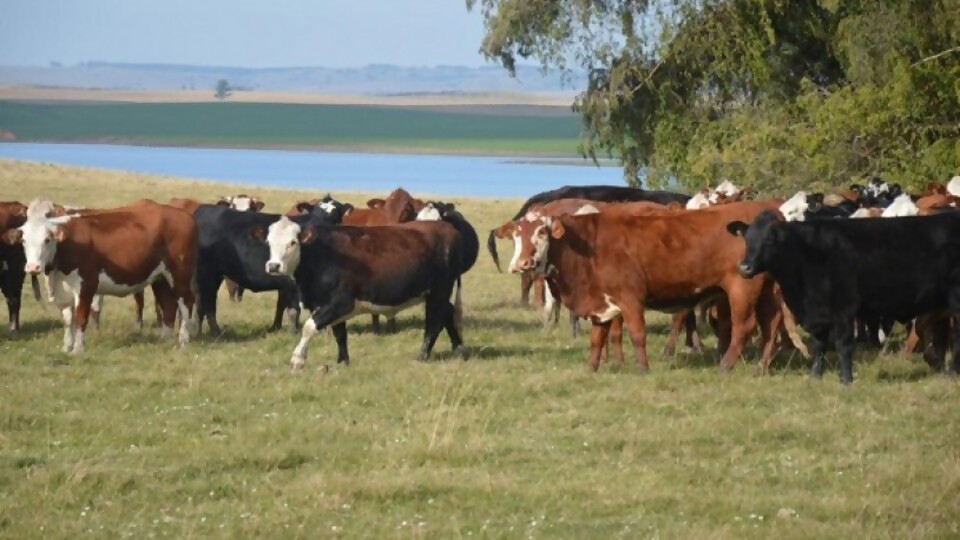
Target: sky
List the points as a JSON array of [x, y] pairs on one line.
[[241, 33]]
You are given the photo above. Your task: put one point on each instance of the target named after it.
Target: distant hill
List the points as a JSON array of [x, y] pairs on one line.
[[370, 80]]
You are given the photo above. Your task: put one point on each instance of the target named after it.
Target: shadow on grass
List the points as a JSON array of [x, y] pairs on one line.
[[485, 352], [30, 328]]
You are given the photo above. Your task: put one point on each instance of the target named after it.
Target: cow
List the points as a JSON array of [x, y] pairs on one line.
[[243, 203], [833, 271], [12, 261], [115, 252], [613, 264], [227, 251], [592, 193], [804, 206], [398, 207], [345, 271]]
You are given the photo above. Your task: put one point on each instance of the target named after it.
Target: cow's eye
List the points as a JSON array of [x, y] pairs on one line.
[[46, 240], [293, 243]]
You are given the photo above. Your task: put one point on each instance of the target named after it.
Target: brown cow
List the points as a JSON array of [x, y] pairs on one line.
[[115, 252], [608, 264]]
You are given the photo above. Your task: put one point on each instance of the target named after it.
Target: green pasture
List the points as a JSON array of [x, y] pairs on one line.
[[359, 127], [136, 439]]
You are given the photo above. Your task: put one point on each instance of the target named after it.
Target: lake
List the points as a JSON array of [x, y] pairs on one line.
[[334, 171]]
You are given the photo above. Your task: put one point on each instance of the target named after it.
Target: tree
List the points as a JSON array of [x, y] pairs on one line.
[[774, 93], [223, 90]]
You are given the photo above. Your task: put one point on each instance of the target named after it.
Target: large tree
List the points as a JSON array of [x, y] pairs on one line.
[[772, 93]]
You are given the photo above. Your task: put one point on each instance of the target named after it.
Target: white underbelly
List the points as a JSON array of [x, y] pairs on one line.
[[360, 307], [110, 287]]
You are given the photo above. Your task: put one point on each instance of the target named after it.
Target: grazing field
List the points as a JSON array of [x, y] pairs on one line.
[[134, 438], [472, 129]]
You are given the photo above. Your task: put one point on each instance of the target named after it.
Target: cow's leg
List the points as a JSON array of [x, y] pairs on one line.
[[598, 339], [11, 292], [677, 321], [526, 282], [819, 338], [66, 311], [721, 325], [551, 309], [616, 339], [332, 311], [375, 323], [207, 286], [539, 291], [843, 341], [935, 338], [743, 321], [770, 319], [285, 298], [96, 306], [165, 298], [340, 335], [391, 325], [693, 340], [633, 318], [913, 342], [293, 308], [81, 314], [574, 325], [234, 291], [456, 339], [436, 314], [138, 301]]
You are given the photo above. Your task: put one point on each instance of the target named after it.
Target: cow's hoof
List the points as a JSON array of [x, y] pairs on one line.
[[296, 362], [462, 353], [669, 351], [344, 361], [642, 370], [846, 381]]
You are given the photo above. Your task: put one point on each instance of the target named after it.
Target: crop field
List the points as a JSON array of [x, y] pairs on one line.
[[135, 438], [477, 129]]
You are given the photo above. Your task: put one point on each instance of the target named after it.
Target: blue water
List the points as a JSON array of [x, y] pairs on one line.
[[333, 171]]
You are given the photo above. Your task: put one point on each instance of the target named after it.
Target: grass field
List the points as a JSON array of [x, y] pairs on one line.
[[489, 129], [134, 438]]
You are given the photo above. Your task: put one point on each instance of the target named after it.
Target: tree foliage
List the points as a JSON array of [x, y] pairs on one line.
[[772, 93], [223, 90]]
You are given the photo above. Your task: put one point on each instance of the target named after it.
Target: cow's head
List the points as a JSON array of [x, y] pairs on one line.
[[795, 208], [763, 238], [400, 206], [284, 238], [330, 211], [242, 203], [435, 211], [531, 240]]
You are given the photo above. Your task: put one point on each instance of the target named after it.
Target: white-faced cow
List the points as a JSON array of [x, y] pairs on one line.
[[117, 253]]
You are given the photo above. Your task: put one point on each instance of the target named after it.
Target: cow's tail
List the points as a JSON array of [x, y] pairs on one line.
[[492, 247], [35, 283], [790, 323], [458, 309]]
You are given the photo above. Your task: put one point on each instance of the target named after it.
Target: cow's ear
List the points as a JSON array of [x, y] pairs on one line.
[[12, 237], [506, 230], [308, 235], [376, 203], [737, 228], [224, 201], [59, 234], [347, 208], [258, 232], [20, 211], [556, 229], [257, 205], [303, 207]]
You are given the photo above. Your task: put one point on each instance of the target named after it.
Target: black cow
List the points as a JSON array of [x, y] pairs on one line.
[[227, 250], [345, 271], [12, 262], [593, 193], [437, 210], [833, 271]]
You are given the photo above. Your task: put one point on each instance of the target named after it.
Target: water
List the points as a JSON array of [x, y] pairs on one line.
[[333, 171]]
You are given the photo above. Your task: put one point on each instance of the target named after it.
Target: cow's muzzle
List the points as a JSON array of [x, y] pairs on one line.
[[523, 266], [32, 268], [745, 270], [274, 268]]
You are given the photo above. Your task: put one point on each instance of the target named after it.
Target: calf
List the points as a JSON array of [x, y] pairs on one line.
[[116, 252], [345, 271], [832, 272], [228, 251], [610, 264], [12, 261]]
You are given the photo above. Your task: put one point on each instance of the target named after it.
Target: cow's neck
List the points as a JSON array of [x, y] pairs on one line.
[[567, 260]]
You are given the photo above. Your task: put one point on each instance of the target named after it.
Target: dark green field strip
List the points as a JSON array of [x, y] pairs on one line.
[[283, 124]]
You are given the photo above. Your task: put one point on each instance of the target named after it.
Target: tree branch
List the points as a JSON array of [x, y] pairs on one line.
[[935, 56]]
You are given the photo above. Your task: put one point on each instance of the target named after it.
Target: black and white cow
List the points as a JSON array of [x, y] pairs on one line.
[[344, 271], [833, 271], [231, 246]]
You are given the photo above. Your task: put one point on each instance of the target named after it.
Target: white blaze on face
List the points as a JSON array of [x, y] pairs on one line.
[[902, 206], [428, 213], [242, 204], [283, 237], [794, 208], [539, 239], [327, 206], [953, 186], [698, 201]]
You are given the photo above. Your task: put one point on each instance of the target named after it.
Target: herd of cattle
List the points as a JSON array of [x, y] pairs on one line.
[[606, 253]]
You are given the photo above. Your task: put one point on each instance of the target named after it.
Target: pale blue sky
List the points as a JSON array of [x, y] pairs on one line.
[[246, 33]]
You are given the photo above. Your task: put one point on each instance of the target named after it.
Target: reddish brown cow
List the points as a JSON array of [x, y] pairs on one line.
[[115, 252], [609, 264]]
